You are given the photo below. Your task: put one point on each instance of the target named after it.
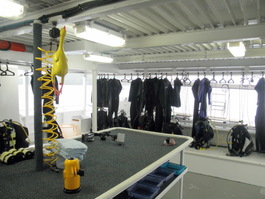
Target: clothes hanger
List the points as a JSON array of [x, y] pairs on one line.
[[242, 78], [182, 77], [1, 69], [124, 78], [213, 79], [143, 77], [230, 80], [130, 80], [29, 73], [251, 78], [223, 79], [186, 80], [150, 76], [7, 72], [177, 75]]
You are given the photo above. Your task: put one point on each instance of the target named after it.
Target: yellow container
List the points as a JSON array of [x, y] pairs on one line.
[[71, 175]]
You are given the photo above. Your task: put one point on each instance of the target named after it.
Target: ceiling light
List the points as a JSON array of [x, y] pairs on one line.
[[237, 49], [98, 58], [10, 9], [99, 34]]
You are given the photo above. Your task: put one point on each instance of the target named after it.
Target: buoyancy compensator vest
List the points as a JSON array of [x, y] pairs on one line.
[[203, 133], [172, 128], [239, 141], [121, 120]]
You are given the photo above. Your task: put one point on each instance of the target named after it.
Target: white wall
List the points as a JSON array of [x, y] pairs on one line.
[[9, 108]]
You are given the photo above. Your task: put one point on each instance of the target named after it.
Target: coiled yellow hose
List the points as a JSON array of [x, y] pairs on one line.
[[51, 154]]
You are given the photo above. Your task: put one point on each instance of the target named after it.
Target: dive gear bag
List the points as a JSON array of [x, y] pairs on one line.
[[239, 141]]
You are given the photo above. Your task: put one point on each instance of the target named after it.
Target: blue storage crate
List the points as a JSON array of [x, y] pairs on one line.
[[177, 168], [160, 172], [141, 191], [151, 180]]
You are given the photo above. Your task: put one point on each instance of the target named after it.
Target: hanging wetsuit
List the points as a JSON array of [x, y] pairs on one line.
[[114, 90], [136, 99], [165, 96], [158, 107], [102, 92], [204, 90], [149, 96], [260, 116], [175, 101], [195, 90]]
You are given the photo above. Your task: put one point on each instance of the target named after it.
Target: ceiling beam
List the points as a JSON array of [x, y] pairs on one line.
[[215, 54], [227, 63], [120, 7], [194, 37], [238, 33]]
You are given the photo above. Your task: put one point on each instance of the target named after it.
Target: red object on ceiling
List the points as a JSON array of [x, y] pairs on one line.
[[7, 45]]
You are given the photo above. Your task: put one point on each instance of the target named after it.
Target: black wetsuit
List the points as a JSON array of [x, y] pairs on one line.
[[158, 107], [136, 99], [260, 116], [149, 96], [176, 93], [102, 92], [165, 95], [114, 89], [195, 89]]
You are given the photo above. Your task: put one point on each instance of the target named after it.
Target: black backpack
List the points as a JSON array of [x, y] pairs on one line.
[[203, 134], [239, 141], [172, 128]]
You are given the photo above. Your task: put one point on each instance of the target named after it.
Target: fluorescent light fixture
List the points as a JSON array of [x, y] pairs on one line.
[[10, 9], [237, 49], [99, 34], [98, 58]]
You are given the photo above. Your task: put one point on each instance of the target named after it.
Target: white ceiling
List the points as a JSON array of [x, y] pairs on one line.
[[161, 34]]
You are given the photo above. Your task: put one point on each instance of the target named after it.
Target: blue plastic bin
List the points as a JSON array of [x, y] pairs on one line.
[[151, 180], [165, 174], [141, 191], [177, 168]]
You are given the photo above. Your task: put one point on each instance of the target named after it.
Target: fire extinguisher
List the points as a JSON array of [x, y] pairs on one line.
[[71, 174]]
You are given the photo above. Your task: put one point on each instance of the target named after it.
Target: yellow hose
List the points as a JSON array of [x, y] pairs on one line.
[[51, 154]]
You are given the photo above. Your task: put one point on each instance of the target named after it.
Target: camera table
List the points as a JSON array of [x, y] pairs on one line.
[[112, 168]]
